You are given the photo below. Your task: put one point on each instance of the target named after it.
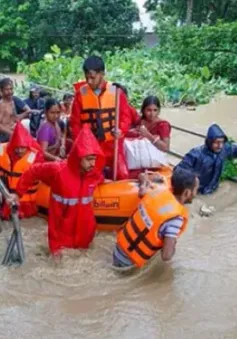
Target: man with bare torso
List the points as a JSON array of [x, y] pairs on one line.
[[11, 109]]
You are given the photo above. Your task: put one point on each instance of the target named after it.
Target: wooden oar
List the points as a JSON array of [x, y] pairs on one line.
[[116, 141]]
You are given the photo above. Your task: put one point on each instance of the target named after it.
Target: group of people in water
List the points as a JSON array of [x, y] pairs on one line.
[[71, 149]]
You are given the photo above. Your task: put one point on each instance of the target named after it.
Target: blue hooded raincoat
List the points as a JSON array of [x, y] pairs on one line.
[[206, 164]]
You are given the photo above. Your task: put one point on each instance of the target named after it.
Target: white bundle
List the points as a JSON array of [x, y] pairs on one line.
[[141, 153]]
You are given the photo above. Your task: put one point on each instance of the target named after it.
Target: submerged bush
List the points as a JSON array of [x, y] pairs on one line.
[[142, 71]]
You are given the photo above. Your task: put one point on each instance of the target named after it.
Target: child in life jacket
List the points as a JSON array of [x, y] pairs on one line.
[[71, 222], [16, 157]]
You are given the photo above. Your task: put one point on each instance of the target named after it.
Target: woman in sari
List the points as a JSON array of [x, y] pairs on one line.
[[49, 134]]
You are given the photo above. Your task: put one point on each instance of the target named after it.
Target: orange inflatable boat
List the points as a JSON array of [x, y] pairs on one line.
[[113, 202]]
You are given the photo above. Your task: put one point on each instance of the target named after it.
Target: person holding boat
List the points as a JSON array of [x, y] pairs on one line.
[[207, 161], [95, 103], [158, 222], [16, 157], [71, 221]]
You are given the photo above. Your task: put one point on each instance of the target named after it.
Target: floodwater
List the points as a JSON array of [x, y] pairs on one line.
[[194, 296]]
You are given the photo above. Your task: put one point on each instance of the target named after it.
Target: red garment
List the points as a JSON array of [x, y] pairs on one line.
[[161, 128], [71, 222], [77, 85], [107, 146], [135, 118], [108, 149], [22, 138]]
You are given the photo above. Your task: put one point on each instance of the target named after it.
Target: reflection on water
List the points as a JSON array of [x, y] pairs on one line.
[[83, 297]]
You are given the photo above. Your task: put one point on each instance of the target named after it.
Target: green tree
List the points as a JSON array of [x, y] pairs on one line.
[[14, 31], [29, 28], [198, 11]]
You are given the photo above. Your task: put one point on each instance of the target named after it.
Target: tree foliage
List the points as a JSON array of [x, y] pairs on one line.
[[212, 46], [144, 72], [29, 28], [202, 11], [14, 31]]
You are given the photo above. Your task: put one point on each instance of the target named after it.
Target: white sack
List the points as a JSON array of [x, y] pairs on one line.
[[141, 153]]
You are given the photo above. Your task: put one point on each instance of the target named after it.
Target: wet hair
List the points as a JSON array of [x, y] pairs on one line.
[[94, 63], [123, 88], [50, 103], [181, 180], [150, 100], [67, 96], [5, 82]]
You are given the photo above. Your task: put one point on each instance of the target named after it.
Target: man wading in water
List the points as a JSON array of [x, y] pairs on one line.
[[157, 223], [11, 109], [71, 222]]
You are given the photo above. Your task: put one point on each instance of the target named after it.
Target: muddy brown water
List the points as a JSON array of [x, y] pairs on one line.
[[194, 296]]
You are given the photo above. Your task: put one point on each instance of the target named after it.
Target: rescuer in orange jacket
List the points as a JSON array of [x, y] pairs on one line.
[[95, 104], [71, 222], [16, 157], [157, 223]]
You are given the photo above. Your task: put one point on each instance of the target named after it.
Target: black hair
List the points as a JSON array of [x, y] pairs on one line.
[[5, 82], [94, 63], [32, 90], [44, 93], [123, 88], [67, 96], [181, 180], [150, 100], [49, 103]]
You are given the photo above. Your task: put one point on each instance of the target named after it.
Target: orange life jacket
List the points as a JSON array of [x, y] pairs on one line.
[[99, 111], [139, 238], [11, 176]]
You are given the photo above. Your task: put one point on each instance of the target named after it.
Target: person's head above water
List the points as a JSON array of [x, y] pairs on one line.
[[88, 163], [150, 108], [94, 69], [52, 110], [6, 88], [215, 139], [86, 155], [185, 185]]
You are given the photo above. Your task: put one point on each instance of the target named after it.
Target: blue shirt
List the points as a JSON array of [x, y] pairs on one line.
[[19, 105]]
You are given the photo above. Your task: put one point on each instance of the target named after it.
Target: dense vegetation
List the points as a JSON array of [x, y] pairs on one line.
[[28, 28], [195, 59], [189, 66], [197, 11]]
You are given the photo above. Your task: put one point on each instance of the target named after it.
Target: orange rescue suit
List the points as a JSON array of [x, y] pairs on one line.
[[99, 111], [11, 175], [139, 238]]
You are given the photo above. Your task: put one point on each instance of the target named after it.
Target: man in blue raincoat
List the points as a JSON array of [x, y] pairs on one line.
[[207, 161]]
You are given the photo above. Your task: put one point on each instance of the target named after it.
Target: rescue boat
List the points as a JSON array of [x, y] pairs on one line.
[[114, 202]]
